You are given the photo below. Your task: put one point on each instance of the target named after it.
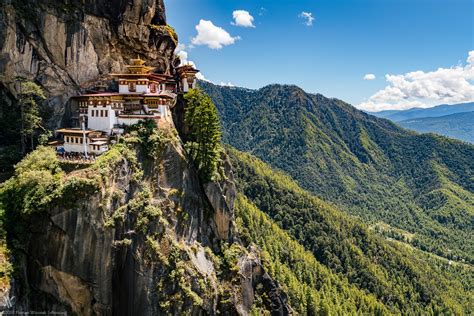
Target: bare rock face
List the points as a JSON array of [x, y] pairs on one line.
[[221, 195], [67, 45], [255, 281]]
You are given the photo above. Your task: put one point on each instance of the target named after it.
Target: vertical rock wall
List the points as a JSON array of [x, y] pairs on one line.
[[67, 45]]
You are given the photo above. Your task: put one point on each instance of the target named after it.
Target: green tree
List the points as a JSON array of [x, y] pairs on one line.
[[204, 135], [28, 97]]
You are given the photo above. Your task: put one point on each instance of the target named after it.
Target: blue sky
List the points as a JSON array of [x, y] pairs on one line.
[[408, 39]]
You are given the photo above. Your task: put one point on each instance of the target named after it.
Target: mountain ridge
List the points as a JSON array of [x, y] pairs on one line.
[[367, 166], [436, 111], [458, 125]]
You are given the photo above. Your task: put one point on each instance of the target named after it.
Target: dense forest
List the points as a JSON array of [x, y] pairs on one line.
[[416, 188], [347, 268]]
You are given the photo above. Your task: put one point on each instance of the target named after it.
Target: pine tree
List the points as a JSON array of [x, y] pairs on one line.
[[29, 94], [204, 135]]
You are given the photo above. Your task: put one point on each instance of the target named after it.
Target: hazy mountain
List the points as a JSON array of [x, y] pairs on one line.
[[459, 125], [440, 110], [416, 188]]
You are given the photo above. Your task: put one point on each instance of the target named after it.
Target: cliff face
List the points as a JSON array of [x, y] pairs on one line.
[[136, 233], [133, 234], [67, 45]]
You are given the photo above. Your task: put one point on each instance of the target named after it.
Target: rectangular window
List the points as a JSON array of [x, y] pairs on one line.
[[132, 87], [106, 113]]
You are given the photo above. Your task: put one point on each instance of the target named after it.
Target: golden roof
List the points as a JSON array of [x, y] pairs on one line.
[[137, 61]]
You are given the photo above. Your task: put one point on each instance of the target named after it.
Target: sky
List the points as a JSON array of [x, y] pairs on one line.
[[374, 54]]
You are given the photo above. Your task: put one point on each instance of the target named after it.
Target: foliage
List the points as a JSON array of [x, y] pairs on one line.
[[28, 97], [420, 184], [402, 278], [146, 134], [204, 136], [166, 29], [35, 184], [311, 286]]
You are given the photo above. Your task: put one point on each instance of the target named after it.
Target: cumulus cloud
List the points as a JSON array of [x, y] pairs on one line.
[[369, 77], [180, 47], [183, 57], [242, 18], [227, 84], [425, 89], [214, 37], [308, 17]]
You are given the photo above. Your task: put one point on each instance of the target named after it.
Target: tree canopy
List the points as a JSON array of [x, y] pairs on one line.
[[204, 135]]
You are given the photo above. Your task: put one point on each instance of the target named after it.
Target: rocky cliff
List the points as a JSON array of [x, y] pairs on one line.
[[67, 45], [134, 233]]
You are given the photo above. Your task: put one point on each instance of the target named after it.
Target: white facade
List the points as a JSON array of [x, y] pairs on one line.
[[101, 118], [184, 83], [123, 88], [139, 88], [75, 143], [98, 149], [186, 86], [165, 113], [142, 88]]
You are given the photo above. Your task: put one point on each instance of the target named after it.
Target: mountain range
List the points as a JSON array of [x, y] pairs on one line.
[[455, 120], [417, 188], [437, 111], [458, 125]]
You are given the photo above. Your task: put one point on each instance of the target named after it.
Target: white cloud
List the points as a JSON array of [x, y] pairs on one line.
[[308, 17], [369, 77], [180, 47], [425, 89], [213, 36], [183, 57], [200, 76], [242, 18], [227, 84]]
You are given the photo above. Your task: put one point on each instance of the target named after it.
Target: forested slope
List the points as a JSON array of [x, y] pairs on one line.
[[412, 187], [345, 259]]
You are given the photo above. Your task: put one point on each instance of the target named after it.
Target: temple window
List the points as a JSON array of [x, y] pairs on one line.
[[132, 87]]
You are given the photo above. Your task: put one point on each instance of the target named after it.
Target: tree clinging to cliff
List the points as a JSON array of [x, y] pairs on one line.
[[204, 138], [29, 95]]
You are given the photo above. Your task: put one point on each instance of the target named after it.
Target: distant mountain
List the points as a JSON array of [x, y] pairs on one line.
[[459, 125], [437, 111], [412, 187]]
